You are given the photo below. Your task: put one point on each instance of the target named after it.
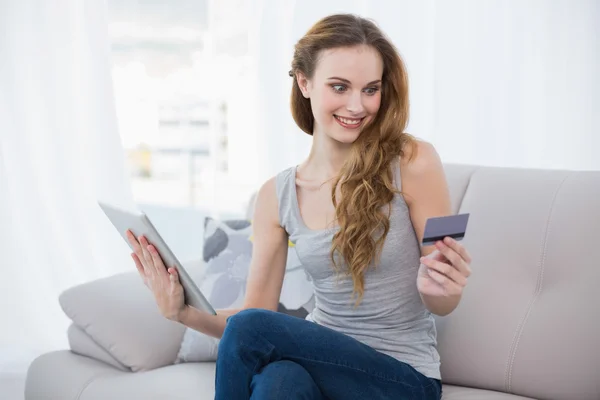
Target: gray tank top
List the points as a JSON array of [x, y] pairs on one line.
[[391, 317]]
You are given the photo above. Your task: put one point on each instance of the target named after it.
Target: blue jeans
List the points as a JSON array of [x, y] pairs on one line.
[[266, 355]]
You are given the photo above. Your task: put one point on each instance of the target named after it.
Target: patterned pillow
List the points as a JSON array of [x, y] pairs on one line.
[[227, 254]]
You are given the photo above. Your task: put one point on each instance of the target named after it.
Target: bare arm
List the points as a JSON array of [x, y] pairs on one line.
[[427, 195], [425, 189], [267, 267]]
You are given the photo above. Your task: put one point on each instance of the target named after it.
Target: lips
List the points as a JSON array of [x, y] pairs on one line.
[[350, 123]]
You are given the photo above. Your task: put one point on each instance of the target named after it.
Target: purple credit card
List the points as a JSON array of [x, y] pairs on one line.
[[438, 228]]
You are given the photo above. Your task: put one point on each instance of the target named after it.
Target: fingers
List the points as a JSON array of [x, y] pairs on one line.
[[448, 271], [146, 254], [160, 267], [450, 286], [138, 264], [140, 246], [173, 277], [455, 259], [143, 257], [134, 243], [459, 248], [140, 260], [147, 260]]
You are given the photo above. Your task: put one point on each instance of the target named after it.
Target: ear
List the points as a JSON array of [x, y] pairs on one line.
[[303, 84]]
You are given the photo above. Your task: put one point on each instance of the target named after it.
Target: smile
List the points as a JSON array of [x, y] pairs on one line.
[[350, 123]]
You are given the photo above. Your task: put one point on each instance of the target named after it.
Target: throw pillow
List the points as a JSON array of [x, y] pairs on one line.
[[227, 254]]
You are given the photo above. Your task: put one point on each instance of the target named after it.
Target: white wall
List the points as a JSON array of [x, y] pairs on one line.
[[497, 82]]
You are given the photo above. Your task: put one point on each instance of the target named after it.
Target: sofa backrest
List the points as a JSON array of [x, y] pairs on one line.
[[529, 320]]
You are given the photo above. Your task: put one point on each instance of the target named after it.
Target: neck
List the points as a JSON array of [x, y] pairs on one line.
[[326, 157]]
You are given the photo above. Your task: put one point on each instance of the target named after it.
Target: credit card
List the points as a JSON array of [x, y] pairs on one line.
[[438, 228]]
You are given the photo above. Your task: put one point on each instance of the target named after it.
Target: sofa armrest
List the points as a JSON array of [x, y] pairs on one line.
[[120, 315], [83, 345]]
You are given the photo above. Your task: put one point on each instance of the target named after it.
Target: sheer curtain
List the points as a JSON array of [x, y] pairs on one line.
[[497, 82], [493, 82], [516, 82], [59, 152]]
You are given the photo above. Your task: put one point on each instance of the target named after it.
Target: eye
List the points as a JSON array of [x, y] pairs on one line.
[[339, 88], [371, 91]]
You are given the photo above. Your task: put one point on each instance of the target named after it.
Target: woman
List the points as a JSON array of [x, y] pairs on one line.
[[355, 210]]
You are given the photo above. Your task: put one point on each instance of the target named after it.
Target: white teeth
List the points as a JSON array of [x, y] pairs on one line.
[[349, 121]]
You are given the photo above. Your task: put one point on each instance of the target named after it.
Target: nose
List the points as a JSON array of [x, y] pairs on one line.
[[354, 104]]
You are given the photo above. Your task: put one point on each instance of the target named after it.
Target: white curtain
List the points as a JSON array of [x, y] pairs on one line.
[[59, 152], [516, 82], [494, 82]]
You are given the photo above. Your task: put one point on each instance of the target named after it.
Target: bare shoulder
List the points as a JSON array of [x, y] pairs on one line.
[[419, 159], [422, 174], [269, 251], [424, 187], [266, 205]]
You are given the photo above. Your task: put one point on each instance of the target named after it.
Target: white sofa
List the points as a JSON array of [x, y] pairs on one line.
[[528, 325]]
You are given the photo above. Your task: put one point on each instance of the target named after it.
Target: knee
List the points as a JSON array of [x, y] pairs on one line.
[[244, 323], [284, 379], [251, 319], [249, 316], [283, 368]]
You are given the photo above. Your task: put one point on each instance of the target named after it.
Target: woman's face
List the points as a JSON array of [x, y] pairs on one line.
[[345, 91]]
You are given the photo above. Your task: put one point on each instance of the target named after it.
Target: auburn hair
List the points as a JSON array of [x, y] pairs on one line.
[[365, 181]]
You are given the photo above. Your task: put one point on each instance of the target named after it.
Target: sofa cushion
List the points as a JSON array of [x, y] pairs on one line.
[[192, 381], [197, 347], [63, 375], [120, 314], [458, 177], [80, 343], [227, 254], [528, 323], [450, 392]]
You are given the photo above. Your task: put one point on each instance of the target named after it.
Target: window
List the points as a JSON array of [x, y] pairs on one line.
[[178, 70]]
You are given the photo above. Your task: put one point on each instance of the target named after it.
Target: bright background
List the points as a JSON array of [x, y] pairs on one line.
[[181, 108]]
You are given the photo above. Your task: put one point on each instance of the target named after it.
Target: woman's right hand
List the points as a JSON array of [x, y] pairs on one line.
[[162, 281]]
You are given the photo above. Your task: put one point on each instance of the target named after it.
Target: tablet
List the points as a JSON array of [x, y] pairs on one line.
[[140, 224]]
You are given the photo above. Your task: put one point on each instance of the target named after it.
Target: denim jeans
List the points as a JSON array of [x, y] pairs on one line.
[[266, 355]]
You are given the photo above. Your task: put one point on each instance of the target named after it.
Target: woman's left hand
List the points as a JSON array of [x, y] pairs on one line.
[[444, 273]]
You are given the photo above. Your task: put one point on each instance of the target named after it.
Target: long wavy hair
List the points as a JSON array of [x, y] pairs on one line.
[[365, 181]]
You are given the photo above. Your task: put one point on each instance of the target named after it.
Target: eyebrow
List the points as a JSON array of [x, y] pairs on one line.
[[347, 81]]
